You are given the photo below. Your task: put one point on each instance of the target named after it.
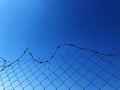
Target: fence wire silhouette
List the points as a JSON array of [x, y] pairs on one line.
[[69, 68]]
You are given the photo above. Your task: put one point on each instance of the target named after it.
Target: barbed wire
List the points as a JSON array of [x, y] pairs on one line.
[[27, 50], [69, 63]]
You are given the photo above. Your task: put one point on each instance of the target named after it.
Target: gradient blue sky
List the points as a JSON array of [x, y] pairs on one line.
[[43, 24]]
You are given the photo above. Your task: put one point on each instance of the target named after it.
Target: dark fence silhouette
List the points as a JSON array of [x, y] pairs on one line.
[[70, 67]]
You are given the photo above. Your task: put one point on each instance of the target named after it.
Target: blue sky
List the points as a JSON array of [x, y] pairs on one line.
[[43, 24]]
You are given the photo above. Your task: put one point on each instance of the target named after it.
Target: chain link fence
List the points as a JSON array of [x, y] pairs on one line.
[[69, 68]]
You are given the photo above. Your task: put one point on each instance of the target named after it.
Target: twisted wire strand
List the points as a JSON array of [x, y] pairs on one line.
[[27, 50], [85, 49]]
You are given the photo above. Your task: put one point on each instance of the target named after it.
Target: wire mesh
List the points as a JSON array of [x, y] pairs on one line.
[[69, 68]]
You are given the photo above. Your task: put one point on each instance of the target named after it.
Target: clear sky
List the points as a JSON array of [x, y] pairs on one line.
[[43, 24]]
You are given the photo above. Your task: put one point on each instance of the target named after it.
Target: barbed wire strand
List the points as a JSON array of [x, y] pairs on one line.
[[81, 71], [27, 50]]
